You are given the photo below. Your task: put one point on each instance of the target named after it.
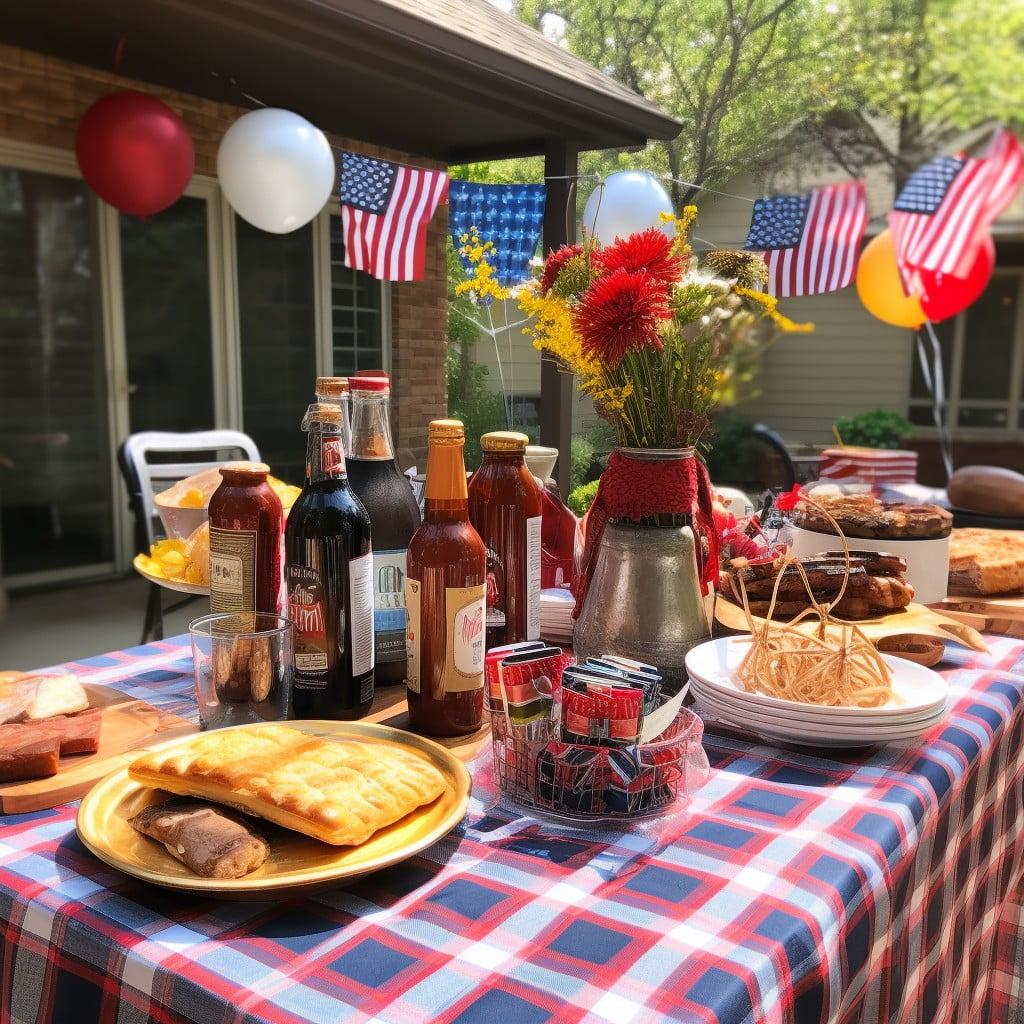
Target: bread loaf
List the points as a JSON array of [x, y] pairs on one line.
[[990, 489]]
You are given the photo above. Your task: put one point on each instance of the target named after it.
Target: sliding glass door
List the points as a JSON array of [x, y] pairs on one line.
[[55, 445]]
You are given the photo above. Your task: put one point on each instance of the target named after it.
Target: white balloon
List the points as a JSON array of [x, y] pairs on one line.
[[627, 201], [276, 169]]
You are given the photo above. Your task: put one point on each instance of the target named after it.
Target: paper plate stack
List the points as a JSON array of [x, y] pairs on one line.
[[556, 605], [919, 704]]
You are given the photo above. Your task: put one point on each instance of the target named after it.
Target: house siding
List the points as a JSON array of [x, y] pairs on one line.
[[42, 100]]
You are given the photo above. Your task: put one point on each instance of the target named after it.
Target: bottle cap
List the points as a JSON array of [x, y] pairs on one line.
[[255, 468], [446, 430], [369, 384], [331, 387], [504, 441]]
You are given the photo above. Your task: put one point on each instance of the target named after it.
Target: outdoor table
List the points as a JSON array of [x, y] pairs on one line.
[[794, 886]]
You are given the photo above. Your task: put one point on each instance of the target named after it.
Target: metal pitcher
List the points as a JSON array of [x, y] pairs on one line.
[[644, 600]]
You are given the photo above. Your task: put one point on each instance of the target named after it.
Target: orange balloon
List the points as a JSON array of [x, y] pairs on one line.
[[880, 287]]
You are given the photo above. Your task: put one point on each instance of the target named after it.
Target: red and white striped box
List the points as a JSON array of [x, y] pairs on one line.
[[874, 466]]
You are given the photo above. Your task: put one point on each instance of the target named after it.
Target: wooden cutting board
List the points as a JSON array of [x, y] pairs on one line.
[[991, 613], [127, 725], [917, 633]]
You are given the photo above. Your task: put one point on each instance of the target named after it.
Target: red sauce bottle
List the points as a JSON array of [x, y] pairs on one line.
[[505, 508], [445, 597], [246, 538]]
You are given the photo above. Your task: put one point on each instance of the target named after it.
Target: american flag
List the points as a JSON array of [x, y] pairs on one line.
[[948, 202], [385, 210], [810, 242]]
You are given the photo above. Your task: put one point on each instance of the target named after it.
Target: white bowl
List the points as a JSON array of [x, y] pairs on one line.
[[927, 560]]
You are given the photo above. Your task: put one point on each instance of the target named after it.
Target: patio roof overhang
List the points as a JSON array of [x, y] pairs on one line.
[[454, 80]]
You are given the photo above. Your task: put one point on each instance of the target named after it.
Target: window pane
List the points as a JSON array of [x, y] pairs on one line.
[[278, 341], [166, 273], [975, 417], [55, 448], [988, 341], [358, 328]]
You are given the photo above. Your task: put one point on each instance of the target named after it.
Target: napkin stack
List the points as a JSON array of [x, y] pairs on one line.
[[556, 605]]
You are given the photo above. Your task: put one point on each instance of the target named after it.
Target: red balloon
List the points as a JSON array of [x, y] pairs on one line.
[[943, 296], [134, 152]]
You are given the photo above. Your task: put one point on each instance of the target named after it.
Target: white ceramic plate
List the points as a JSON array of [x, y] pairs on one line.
[[918, 688], [180, 585], [810, 713], [809, 731]]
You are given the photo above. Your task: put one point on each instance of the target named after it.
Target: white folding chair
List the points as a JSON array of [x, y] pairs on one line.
[[153, 460]]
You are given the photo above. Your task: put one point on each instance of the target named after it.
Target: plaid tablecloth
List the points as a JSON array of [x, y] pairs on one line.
[[832, 886]]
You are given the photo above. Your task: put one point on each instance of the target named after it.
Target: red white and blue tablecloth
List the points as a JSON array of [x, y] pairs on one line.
[[806, 886]]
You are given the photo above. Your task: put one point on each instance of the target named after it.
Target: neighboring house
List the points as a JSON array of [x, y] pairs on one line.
[[193, 318], [853, 362]]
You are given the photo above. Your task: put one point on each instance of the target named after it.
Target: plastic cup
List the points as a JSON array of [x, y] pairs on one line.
[[243, 665]]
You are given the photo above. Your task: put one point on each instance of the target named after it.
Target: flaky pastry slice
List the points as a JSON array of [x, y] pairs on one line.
[[338, 791]]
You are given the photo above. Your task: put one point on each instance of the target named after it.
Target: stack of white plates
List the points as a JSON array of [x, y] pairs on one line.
[[556, 605], [919, 704]]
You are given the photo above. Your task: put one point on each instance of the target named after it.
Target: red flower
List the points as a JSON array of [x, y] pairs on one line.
[[649, 251], [619, 312], [554, 263]]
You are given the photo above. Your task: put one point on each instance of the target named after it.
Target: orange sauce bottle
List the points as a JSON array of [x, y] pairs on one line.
[[445, 597], [505, 509]]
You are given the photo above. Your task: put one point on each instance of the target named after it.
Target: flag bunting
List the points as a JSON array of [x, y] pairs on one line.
[[510, 217]]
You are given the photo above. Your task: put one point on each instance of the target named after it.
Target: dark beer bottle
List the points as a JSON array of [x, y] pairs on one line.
[[387, 496], [328, 572]]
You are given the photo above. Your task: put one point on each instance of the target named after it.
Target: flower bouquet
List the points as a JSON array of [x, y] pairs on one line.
[[658, 342]]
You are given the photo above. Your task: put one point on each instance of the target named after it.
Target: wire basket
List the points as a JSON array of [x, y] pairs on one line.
[[578, 781]]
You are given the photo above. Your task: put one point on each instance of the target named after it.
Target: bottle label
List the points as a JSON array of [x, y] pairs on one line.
[[360, 589], [389, 612], [495, 592], [465, 617], [413, 633], [332, 454], [307, 603], [533, 546], [232, 570]]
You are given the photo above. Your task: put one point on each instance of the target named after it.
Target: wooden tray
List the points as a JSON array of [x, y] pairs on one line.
[[917, 633], [127, 726]]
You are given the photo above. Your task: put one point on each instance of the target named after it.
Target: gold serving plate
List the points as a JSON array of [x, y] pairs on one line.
[[297, 863]]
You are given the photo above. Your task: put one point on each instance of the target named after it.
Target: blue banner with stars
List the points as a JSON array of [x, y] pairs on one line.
[[510, 217]]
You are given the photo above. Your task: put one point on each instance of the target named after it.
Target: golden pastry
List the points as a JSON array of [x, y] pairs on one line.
[[338, 791]]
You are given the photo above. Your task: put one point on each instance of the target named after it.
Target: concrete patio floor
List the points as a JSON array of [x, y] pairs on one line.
[[46, 628]]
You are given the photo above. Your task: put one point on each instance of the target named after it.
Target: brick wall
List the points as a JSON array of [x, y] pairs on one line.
[[43, 98]]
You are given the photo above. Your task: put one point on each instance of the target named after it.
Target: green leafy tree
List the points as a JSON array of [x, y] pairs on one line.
[[750, 79]]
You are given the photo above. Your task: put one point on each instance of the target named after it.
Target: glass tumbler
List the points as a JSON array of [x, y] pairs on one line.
[[243, 664]]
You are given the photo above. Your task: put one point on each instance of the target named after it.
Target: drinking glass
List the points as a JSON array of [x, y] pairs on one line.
[[243, 664]]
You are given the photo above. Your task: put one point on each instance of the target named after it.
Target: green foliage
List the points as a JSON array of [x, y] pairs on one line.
[[879, 428], [752, 79], [580, 498], [580, 457]]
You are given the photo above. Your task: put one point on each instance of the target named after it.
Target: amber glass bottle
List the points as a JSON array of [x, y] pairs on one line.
[[505, 508], [330, 585], [246, 531], [445, 597]]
